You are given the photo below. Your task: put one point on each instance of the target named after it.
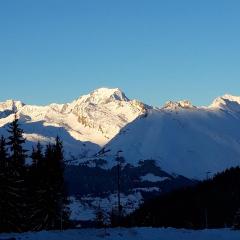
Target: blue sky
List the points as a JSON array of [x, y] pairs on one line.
[[154, 50]]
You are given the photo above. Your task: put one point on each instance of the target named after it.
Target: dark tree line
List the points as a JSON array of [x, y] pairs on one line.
[[32, 197], [214, 203]]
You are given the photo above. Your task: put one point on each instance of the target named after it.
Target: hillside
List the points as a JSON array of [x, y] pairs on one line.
[[213, 203], [183, 139]]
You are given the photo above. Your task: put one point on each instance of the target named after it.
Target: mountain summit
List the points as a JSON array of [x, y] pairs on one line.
[[105, 95], [11, 105], [94, 118], [227, 102]]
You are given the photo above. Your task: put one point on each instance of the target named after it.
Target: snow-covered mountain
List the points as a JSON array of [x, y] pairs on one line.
[[183, 139], [84, 125]]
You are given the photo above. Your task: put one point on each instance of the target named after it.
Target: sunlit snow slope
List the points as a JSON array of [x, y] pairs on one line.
[[84, 125], [182, 138]]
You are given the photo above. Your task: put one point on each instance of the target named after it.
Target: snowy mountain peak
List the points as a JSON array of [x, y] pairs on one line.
[[176, 105], [226, 101], [104, 96], [231, 98], [115, 93], [11, 105], [94, 118], [105, 111]]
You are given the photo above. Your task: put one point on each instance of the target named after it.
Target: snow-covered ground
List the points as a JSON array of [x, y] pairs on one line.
[[152, 178], [86, 208], [129, 234]]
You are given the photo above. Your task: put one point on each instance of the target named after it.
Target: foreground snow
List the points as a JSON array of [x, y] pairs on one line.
[[132, 233], [86, 208]]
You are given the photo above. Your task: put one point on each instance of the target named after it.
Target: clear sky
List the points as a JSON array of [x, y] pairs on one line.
[[154, 50]]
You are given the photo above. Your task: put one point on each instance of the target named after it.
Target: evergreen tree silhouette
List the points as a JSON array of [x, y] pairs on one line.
[[15, 143], [31, 197], [186, 207], [35, 189], [62, 199], [3, 154], [53, 201], [16, 177], [37, 155], [4, 187]]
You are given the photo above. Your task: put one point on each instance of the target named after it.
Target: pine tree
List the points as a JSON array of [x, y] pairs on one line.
[[4, 191], [15, 142], [54, 199], [35, 191], [62, 216], [99, 218], [42, 199], [37, 155], [16, 175], [3, 153]]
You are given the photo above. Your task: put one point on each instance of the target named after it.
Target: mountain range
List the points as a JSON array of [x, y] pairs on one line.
[[182, 138], [85, 125], [161, 147]]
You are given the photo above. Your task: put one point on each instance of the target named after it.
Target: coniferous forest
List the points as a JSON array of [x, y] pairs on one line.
[[213, 203], [32, 196]]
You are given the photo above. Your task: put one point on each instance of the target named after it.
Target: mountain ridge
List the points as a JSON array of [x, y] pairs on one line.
[[103, 94], [107, 119], [185, 141], [93, 118]]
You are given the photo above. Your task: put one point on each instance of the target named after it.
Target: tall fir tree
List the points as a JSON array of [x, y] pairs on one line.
[[15, 143], [37, 155], [16, 177], [35, 196], [63, 211], [4, 187], [54, 213], [99, 217], [3, 153]]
